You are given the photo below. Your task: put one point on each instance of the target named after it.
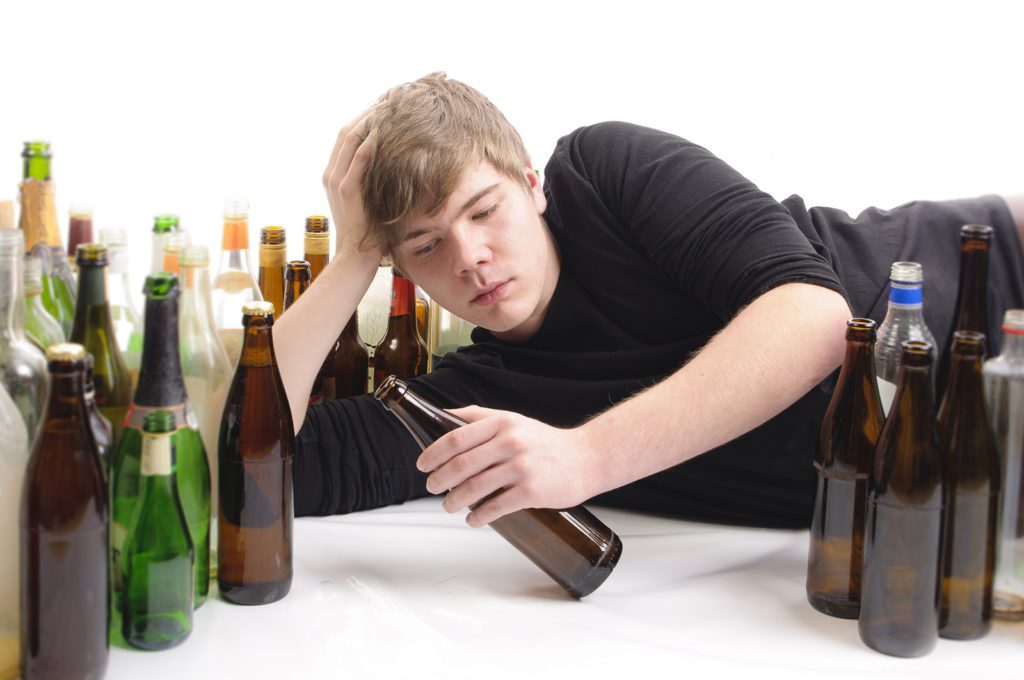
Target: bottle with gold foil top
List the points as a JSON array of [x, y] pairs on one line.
[[22, 364], [1004, 398], [39, 323], [317, 252], [234, 284], [571, 546], [846, 448], [102, 430], [14, 451], [402, 352], [297, 280], [94, 330], [972, 495], [79, 227], [162, 388], [163, 226], [64, 523], [273, 257], [899, 604], [124, 314], [256, 443], [42, 234]]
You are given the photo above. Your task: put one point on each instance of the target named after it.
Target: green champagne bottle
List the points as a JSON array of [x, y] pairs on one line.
[[162, 387], [94, 330], [158, 554]]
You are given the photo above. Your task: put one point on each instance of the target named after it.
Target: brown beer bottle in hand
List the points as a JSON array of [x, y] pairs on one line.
[[255, 456], [849, 433], [571, 546], [64, 524], [972, 495], [402, 352], [899, 606]]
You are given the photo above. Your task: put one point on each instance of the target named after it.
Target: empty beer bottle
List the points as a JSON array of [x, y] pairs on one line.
[[351, 367], [234, 284], [972, 500], [94, 329], [158, 554], [571, 546], [121, 300], [163, 226], [40, 325], [42, 234], [846, 448], [22, 365], [102, 430], [904, 320], [64, 519], [972, 295], [1004, 391], [402, 352], [273, 256], [162, 388], [899, 607], [317, 253], [297, 281], [256, 439], [14, 452]]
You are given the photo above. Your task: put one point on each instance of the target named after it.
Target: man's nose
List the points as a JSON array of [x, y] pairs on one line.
[[470, 248]]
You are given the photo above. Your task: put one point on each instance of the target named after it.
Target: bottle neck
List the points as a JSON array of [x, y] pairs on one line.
[[972, 297], [1013, 345], [424, 421], [858, 364], [157, 464], [235, 260], [257, 345], [915, 398], [965, 384], [160, 379], [906, 300], [92, 285], [12, 301], [235, 235], [196, 298], [67, 400], [36, 167]]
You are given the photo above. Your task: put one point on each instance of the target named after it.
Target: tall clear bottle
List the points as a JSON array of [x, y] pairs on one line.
[[13, 462], [64, 522], [204, 364], [124, 313], [899, 605], [571, 546], [42, 234], [22, 365], [94, 330], [846, 449], [972, 495], [162, 388], [256, 442], [1004, 392], [317, 252], [234, 284], [39, 323], [174, 248], [972, 294], [903, 321], [273, 257], [163, 226]]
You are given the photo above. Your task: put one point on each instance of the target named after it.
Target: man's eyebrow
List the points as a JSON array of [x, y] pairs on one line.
[[415, 233]]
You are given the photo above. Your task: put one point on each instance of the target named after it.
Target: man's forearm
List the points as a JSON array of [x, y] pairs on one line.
[[772, 353]]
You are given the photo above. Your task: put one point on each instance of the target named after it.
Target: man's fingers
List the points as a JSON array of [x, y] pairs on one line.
[[349, 139], [453, 444], [496, 507], [473, 413], [475, 489]]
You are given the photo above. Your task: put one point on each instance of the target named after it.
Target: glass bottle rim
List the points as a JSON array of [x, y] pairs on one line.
[[906, 272]]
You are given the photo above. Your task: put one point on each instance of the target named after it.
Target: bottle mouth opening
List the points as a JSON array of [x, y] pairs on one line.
[[389, 383]]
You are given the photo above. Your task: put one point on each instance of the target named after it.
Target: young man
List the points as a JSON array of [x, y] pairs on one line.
[[654, 331]]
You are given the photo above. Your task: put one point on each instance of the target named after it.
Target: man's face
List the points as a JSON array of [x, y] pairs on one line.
[[487, 255]]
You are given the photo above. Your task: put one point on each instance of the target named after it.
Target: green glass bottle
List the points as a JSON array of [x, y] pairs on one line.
[[38, 221], [158, 554], [162, 387], [39, 323], [94, 330], [163, 226]]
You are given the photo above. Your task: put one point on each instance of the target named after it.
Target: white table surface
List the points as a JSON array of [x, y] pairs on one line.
[[412, 592]]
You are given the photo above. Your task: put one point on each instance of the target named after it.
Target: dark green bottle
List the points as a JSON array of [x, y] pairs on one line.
[[158, 555], [162, 388], [94, 329]]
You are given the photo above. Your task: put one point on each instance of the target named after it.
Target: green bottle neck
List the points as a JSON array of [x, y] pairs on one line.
[[36, 167], [92, 285]]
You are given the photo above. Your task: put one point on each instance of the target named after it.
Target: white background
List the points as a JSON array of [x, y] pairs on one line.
[[169, 107]]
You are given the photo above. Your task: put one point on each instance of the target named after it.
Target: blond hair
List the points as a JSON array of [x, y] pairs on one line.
[[427, 133]]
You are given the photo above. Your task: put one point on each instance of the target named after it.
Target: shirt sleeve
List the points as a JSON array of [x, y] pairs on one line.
[[710, 231]]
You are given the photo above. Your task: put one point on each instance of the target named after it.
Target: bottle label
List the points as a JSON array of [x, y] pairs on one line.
[[273, 255], [905, 295], [156, 454], [39, 214], [317, 244], [236, 235], [402, 293]]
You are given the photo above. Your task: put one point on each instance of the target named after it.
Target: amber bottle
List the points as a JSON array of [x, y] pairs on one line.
[[899, 607], [316, 251], [64, 524], [255, 459], [297, 280], [972, 495], [846, 447], [273, 256], [402, 352], [571, 546], [972, 295]]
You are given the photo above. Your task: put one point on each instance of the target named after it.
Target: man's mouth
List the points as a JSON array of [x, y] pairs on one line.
[[492, 294]]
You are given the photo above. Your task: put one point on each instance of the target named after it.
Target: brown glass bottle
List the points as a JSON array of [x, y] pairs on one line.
[[255, 460], [79, 228], [64, 524], [402, 352], [317, 252], [102, 430], [972, 495], [972, 295], [571, 546], [846, 448], [273, 255], [899, 607], [297, 280]]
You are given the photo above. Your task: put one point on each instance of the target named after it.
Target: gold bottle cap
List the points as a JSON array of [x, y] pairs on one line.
[[258, 308], [316, 224], [65, 351]]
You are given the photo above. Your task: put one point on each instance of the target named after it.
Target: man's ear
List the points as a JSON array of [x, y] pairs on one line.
[[536, 189]]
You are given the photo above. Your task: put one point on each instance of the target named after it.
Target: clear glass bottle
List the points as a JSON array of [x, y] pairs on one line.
[[39, 323], [13, 461], [124, 312], [174, 246], [904, 320], [22, 365], [1004, 392], [234, 284], [163, 226]]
